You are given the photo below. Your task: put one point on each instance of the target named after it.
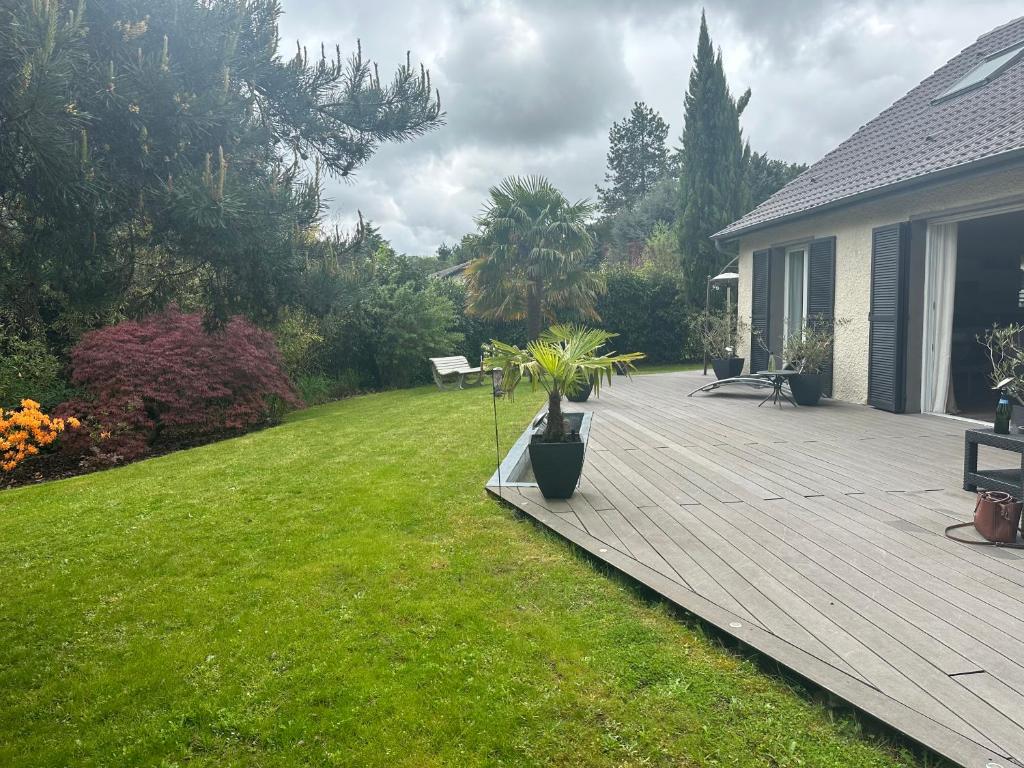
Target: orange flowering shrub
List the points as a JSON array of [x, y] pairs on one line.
[[24, 431]]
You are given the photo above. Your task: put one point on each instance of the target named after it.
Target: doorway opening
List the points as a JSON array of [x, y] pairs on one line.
[[974, 279]]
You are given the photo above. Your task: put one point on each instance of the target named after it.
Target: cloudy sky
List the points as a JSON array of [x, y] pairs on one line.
[[532, 86]]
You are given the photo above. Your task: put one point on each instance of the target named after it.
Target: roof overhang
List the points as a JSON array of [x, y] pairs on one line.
[[964, 169], [457, 269]]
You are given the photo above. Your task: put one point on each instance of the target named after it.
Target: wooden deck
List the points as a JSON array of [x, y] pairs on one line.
[[814, 535]]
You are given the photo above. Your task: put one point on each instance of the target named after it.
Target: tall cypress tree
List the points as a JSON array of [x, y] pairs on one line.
[[713, 189]]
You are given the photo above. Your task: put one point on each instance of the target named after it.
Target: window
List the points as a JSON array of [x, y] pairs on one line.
[[795, 315], [985, 72]]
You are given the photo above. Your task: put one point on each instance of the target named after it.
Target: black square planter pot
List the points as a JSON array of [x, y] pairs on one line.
[[806, 388], [557, 467], [727, 367]]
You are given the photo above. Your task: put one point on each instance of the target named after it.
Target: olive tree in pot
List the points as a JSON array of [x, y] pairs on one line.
[[563, 360], [808, 351], [1005, 345], [717, 333]]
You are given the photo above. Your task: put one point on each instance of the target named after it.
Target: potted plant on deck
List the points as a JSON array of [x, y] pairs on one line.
[[808, 352], [563, 360], [1005, 347], [717, 333], [582, 394]]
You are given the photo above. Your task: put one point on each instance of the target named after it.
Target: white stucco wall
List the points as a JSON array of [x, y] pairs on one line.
[[852, 228]]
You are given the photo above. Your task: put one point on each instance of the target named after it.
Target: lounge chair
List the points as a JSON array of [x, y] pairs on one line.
[[451, 372], [757, 381]]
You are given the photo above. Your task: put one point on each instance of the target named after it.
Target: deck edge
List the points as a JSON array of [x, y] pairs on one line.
[[913, 725]]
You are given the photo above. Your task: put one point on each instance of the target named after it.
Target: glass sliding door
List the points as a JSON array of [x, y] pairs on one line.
[[795, 312]]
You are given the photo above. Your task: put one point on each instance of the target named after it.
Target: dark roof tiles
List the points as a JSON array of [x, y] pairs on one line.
[[913, 138], [456, 269]]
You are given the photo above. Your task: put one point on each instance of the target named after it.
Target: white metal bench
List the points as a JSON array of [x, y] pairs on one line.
[[451, 372]]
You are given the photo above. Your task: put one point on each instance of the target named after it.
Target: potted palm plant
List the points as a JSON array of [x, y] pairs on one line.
[[563, 360], [716, 333], [807, 352]]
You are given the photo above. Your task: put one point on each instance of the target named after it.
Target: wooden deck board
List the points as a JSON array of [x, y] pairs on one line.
[[970, 622], [814, 535]]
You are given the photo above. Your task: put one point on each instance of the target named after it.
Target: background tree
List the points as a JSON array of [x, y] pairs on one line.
[[630, 228], [662, 249], [637, 158], [765, 176], [533, 246], [460, 252], [365, 317], [153, 151], [446, 254], [713, 191]]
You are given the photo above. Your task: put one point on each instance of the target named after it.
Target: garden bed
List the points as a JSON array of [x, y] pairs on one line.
[[57, 465]]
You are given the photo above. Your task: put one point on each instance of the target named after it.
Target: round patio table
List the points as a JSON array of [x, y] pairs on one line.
[[777, 379]]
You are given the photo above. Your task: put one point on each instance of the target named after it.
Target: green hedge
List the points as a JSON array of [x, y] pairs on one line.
[[29, 369], [476, 331], [648, 309]]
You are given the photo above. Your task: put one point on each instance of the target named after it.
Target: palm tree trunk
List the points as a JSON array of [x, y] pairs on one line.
[[554, 430], [533, 309]]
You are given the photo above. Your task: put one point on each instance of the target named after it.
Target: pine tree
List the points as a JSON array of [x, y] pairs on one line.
[[766, 176], [713, 190], [637, 158], [158, 150]]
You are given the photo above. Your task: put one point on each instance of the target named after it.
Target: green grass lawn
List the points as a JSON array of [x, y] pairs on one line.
[[341, 591]]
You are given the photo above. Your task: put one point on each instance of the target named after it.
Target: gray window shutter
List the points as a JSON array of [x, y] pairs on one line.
[[760, 309], [888, 318], [821, 294]]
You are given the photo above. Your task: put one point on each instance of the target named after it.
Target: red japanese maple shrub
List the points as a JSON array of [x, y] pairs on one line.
[[165, 380]]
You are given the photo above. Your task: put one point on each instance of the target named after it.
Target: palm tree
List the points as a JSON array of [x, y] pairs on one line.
[[563, 360], [532, 245]]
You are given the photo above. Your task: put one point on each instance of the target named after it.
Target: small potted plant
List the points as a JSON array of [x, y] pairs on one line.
[[1005, 345], [582, 394], [717, 331], [563, 361], [807, 352]]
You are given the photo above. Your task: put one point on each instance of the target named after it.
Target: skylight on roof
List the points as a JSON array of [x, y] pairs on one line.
[[985, 72]]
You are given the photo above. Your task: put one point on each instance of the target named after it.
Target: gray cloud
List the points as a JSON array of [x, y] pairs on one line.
[[527, 79], [532, 86]]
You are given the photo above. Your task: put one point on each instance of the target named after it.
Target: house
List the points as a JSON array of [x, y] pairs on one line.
[[911, 232], [454, 272]]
